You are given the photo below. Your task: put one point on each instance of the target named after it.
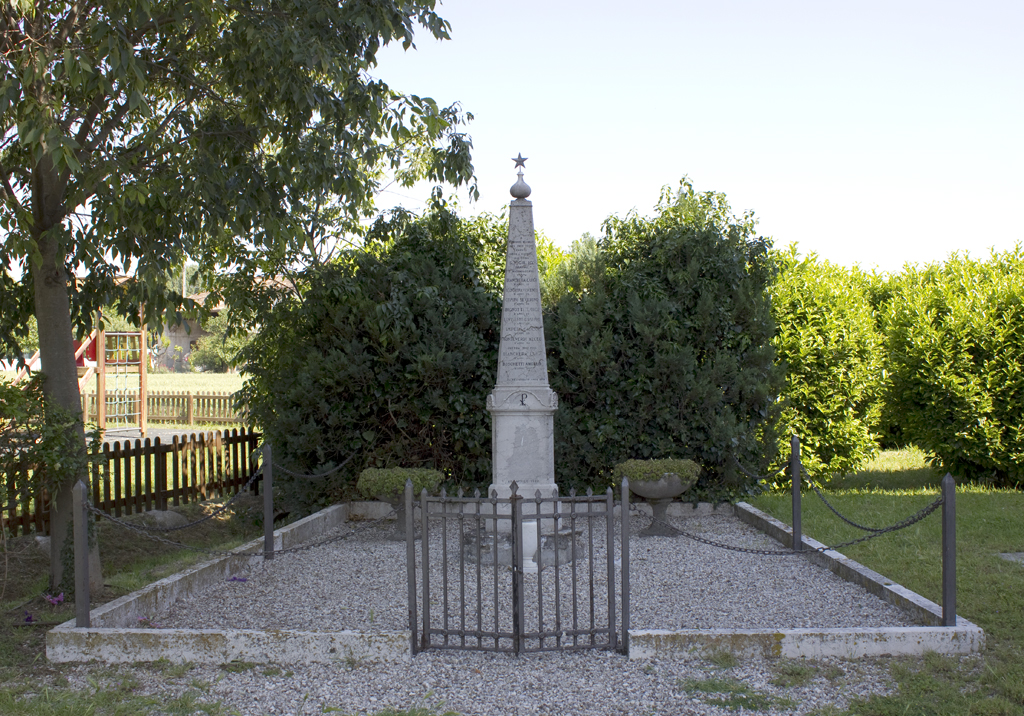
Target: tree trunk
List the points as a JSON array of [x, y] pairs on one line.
[[56, 345]]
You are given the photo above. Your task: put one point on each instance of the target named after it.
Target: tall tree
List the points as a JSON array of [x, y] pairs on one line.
[[138, 133]]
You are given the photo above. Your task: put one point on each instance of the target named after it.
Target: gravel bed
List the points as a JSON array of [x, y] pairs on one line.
[[359, 583], [476, 684], [676, 583]]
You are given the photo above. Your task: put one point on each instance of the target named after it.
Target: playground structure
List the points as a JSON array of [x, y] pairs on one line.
[[124, 355]]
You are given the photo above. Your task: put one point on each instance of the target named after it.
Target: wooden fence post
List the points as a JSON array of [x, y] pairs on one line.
[[161, 474]]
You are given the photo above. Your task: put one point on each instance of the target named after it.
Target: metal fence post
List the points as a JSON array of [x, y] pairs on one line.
[[948, 551], [624, 566], [794, 467], [425, 547], [609, 506], [268, 502], [80, 495], [517, 570], [410, 562]]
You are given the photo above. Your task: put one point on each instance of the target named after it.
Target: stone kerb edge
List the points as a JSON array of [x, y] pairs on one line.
[[220, 646], [810, 643], [123, 644], [964, 638], [113, 623]]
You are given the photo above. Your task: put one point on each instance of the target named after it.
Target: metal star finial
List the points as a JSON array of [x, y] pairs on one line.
[[520, 161]]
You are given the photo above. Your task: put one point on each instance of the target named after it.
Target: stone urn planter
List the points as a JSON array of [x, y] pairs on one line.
[[388, 485], [659, 482]]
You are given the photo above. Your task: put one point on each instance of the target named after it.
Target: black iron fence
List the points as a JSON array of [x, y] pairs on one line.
[[519, 574]]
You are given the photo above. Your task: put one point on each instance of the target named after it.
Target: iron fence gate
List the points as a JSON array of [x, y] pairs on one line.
[[518, 574]]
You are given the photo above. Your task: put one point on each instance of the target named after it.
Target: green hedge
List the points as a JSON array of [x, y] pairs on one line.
[[659, 345], [389, 483], [831, 352], [956, 360], [388, 355]]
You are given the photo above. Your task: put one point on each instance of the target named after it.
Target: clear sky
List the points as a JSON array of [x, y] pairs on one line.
[[871, 133]]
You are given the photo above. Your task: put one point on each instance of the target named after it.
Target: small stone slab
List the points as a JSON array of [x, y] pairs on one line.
[[1013, 556]]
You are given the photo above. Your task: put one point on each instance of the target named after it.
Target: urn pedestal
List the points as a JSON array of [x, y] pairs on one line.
[[659, 493]]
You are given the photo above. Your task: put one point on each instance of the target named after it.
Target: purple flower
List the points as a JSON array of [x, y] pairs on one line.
[[28, 618], [54, 601], [238, 579]]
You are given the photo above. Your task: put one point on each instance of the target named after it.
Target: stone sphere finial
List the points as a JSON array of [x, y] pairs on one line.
[[520, 190]]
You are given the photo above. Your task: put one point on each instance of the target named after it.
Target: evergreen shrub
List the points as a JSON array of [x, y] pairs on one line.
[[659, 345], [385, 356], [832, 354], [389, 482], [956, 351]]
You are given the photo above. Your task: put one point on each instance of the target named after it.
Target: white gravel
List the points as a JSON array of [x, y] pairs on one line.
[[478, 684], [360, 583], [676, 583]]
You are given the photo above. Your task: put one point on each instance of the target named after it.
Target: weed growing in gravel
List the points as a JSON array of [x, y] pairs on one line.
[[412, 711], [200, 685], [827, 710], [735, 694], [833, 672], [176, 671], [791, 672], [722, 658], [32, 700], [237, 667], [272, 671]]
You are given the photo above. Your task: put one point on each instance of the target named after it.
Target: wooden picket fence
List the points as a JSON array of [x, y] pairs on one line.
[[171, 407], [134, 476]]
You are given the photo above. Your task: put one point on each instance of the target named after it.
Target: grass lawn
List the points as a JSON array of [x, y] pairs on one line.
[[183, 383], [990, 590], [29, 685], [173, 382]]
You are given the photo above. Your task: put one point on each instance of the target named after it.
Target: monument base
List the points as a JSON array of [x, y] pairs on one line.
[[497, 549], [529, 506]]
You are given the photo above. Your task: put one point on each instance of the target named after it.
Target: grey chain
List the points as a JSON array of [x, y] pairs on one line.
[[222, 553], [913, 519], [747, 472], [326, 473], [810, 481], [149, 535], [841, 516], [216, 512]]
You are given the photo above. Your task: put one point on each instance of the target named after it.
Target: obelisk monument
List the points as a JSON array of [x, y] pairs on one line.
[[522, 404]]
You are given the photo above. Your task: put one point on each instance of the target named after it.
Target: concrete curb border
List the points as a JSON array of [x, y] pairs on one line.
[[116, 638], [964, 638]]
